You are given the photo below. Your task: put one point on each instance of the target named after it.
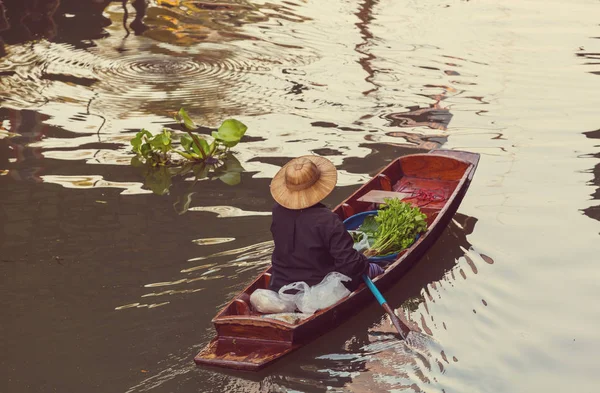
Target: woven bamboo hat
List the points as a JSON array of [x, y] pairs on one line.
[[303, 182]]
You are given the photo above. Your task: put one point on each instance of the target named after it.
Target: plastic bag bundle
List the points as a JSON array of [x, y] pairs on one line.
[[269, 302], [324, 294], [363, 243]]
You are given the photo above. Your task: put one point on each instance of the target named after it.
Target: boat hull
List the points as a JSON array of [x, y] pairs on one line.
[[246, 341]]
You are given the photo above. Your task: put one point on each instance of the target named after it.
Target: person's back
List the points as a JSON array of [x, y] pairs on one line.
[[310, 240], [310, 243]]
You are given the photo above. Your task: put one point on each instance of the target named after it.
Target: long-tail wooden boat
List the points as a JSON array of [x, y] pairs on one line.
[[436, 182]]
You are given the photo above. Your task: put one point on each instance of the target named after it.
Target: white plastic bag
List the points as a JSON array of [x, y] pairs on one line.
[[363, 243], [324, 294], [269, 302]]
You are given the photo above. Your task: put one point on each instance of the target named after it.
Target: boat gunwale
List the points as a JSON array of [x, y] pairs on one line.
[[265, 321]]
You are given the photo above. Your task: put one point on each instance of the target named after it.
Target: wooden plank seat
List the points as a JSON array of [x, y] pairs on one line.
[[378, 196]]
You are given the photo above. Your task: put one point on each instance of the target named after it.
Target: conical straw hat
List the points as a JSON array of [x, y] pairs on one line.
[[303, 182]]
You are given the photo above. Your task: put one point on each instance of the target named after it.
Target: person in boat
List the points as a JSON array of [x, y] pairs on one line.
[[310, 240]]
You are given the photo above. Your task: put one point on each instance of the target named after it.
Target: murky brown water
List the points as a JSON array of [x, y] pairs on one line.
[[106, 287]]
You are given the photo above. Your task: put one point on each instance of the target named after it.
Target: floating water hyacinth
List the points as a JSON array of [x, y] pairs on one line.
[[199, 155], [157, 149]]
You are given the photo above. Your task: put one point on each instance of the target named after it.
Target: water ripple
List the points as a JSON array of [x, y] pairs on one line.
[[93, 181], [214, 240], [227, 211]]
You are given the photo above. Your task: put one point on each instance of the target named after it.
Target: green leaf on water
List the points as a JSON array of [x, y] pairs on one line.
[[192, 148], [187, 156], [203, 145], [139, 139], [145, 150], [166, 137], [230, 132], [154, 153], [187, 143], [161, 142], [184, 118], [230, 172]]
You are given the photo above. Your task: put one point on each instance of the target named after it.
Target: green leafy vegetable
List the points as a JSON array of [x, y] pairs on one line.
[[399, 224], [367, 230], [369, 226]]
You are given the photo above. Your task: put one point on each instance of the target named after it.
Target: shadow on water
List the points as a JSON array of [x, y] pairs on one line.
[[594, 211]]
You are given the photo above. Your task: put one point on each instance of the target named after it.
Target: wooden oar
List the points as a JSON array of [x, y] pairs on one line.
[[402, 329]]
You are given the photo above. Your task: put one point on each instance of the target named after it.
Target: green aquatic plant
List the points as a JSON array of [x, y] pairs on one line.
[[160, 157], [157, 150], [197, 148], [152, 148]]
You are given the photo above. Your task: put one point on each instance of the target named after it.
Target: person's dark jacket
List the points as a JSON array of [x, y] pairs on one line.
[[310, 243]]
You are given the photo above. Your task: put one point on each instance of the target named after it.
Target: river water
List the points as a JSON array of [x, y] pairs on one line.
[[108, 287]]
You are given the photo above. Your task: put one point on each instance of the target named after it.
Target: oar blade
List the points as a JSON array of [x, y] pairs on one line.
[[401, 327]]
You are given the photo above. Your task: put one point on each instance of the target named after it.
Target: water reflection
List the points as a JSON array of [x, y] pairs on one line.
[[71, 21], [25, 21], [159, 178], [228, 211], [22, 128], [145, 71], [594, 211], [176, 22], [249, 259], [214, 240], [591, 58]]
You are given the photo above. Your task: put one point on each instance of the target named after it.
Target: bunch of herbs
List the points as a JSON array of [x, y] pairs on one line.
[[398, 224]]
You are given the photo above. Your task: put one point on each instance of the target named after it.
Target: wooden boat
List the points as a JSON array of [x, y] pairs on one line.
[[436, 182]]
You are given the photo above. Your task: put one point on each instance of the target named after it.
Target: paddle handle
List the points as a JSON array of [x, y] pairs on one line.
[[374, 290], [402, 329]]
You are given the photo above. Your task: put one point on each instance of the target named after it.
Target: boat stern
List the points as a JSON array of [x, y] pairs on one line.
[[241, 353], [247, 343]]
